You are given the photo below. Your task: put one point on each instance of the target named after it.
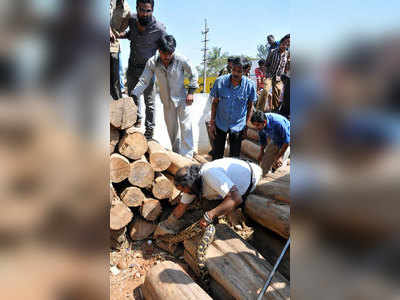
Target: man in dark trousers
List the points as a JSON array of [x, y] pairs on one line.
[[233, 96], [144, 33], [119, 20]]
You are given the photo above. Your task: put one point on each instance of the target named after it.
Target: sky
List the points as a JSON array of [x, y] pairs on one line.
[[236, 26]]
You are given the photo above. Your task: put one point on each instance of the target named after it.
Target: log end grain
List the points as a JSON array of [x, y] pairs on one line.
[[119, 168], [133, 196], [120, 216], [141, 229], [151, 209], [141, 174], [133, 145]]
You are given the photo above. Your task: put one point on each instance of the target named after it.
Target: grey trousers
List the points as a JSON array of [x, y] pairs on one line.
[[269, 157], [149, 98], [179, 118]]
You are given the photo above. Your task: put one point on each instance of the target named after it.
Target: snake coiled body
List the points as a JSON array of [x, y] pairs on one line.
[[207, 237]]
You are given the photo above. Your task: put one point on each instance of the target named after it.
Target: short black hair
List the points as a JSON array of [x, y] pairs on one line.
[[230, 59], [286, 37], [167, 43], [240, 61], [144, 2], [189, 177], [261, 62], [258, 117], [247, 64], [270, 36]]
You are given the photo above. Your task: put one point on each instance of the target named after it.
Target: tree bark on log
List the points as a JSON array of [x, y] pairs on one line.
[[141, 229], [173, 200], [151, 209], [114, 138], [133, 196], [199, 158], [123, 113], [169, 281], [158, 157], [119, 168], [270, 246], [251, 149], [269, 214], [274, 189], [141, 173], [162, 187], [178, 161], [247, 270], [133, 145], [120, 216], [252, 134]]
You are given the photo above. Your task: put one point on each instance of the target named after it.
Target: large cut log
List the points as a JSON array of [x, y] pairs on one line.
[[270, 246], [169, 281], [141, 173], [151, 209], [278, 189], [200, 159], [133, 196], [162, 187], [269, 214], [120, 216], [251, 149], [252, 134], [114, 138], [237, 267], [119, 168], [133, 145], [123, 113], [158, 157], [174, 199], [178, 161], [141, 229], [216, 291]]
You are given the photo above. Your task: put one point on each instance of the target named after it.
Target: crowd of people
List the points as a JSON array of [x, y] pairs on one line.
[[237, 102]]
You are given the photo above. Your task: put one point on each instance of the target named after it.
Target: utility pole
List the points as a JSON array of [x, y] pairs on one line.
[[205, 32]]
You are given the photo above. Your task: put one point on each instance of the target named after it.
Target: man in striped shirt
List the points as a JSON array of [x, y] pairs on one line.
[[275, 67]]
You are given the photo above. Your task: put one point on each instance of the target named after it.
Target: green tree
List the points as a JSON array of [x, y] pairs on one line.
[[216, 60]]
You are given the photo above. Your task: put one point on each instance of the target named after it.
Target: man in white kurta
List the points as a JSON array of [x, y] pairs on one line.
[[170, 68]]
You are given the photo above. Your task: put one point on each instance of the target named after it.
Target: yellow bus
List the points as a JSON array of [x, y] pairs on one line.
[[209, 84]]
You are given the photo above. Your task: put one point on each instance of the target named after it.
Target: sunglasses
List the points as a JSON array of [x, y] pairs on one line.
[[142, 10]]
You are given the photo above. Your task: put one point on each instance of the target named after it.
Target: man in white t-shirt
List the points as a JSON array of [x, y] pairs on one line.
[[227, 179]]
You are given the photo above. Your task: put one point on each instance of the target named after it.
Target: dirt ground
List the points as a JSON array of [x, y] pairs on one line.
[[128, 267]]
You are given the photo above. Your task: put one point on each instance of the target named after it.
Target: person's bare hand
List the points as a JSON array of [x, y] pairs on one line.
[[189, 99], [203, 223]]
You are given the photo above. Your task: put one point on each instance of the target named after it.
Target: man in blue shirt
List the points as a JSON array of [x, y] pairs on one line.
[[274, 133], [233, 96]]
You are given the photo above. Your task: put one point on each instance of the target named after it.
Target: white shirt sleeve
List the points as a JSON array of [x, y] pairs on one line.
[[187, 198], [218, 180]]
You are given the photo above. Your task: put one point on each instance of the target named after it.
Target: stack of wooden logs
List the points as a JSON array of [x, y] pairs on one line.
[[141, 177]]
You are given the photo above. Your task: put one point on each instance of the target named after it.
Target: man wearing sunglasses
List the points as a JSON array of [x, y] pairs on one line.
[[144, 33]]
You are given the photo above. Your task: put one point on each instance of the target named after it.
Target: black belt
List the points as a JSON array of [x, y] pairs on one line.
[[248, 191]]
